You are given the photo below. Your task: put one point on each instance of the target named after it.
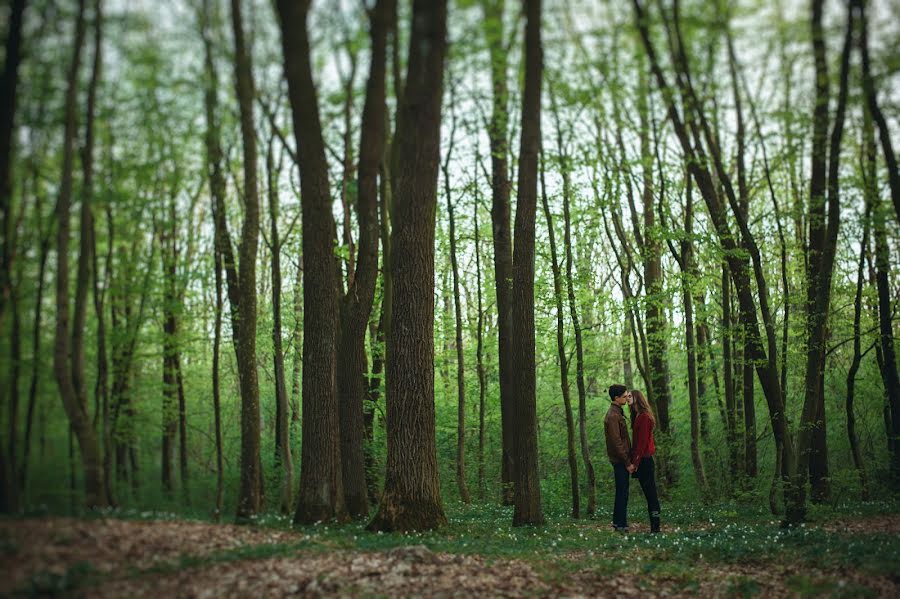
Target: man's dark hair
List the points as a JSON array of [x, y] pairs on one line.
[[616, 390]]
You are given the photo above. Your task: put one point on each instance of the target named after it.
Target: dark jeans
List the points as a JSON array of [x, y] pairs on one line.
[[646, 475], [620, 508]]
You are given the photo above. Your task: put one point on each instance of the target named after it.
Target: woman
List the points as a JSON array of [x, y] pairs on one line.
[[642, 450]]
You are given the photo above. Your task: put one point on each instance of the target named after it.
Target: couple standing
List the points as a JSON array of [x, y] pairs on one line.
[[631, 458]]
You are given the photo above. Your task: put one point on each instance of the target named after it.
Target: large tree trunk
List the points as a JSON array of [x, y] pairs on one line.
[[249, 492], [356, 306], [501, 232], [527, 501], [561, 350], [412, 499], [70, 374], [9, 82], [10, 497], [321, 494]]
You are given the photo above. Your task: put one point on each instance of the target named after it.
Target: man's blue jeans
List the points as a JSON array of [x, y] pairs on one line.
[[620, 508]]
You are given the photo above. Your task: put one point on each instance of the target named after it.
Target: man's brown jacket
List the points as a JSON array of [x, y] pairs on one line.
[[618, 445]]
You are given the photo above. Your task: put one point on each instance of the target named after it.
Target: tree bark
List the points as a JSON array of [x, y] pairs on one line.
[[527, 503], [356, 306], [821, 251], [70, 374], [321, 493], [9, 82], [871, 96], [501, 232], [411, 499], [479, 351], [221, 241], [249, 492]]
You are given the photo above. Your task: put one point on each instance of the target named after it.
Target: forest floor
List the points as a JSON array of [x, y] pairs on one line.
[[849, 552]]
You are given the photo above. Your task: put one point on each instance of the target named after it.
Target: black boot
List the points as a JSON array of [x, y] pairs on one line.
[[654, 522]]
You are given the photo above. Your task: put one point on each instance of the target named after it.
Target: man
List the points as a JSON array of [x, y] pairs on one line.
[[618, 448]]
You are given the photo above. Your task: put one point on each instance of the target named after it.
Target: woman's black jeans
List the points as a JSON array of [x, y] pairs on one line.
[[646, 475]]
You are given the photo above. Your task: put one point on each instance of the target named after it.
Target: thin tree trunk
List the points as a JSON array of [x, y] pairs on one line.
[[44, 252], [746, 376], [70, 374], [690, 273], [868, 173], [868, 85], [412, 499], [222, 242], [501, 232], [888, 362], [573, 313], [282, 434], [561, 350], [464, 494], [250, 492], [479, 351], [728, 370], [217, 401], [654, 294]]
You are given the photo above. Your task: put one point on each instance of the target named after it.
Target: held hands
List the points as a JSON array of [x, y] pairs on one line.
[[631, 468]]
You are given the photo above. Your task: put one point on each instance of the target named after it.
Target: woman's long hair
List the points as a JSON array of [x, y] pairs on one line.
[[640, 406]]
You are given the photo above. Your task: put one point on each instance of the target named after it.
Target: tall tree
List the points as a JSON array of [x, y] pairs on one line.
[[412, 499], [356, 305], [561, 349], [221, 239], [501, 232], [250, 491], [821, 250], [321, 493], [565, 168], [68, 355], [9, 82], [527, 502], [282, 430], [461, 485], [868, 84], [655, 296]]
